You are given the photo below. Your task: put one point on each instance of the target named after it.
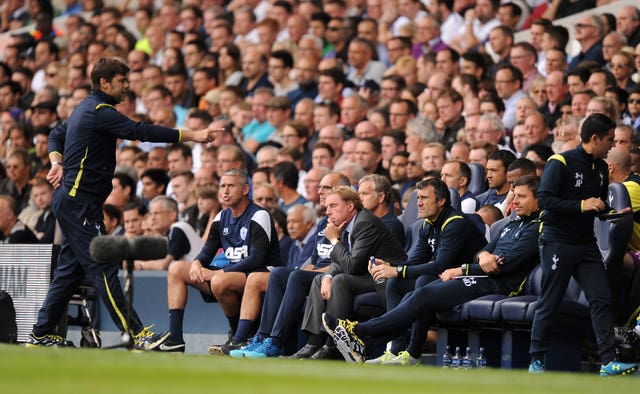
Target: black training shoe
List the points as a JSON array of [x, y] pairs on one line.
[[226, 348], [171, 346]]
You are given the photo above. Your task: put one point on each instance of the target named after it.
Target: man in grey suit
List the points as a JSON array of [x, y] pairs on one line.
[[356, 234]]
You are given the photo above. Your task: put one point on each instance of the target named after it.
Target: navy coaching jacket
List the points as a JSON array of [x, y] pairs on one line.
[[87, 143]]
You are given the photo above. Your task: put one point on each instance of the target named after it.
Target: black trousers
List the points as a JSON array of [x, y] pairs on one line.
[[584, 262], [286, 294], [422, 305]]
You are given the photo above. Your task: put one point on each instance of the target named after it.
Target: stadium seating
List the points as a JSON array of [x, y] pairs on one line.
[[478, 184], [409, 216], [455, 198]]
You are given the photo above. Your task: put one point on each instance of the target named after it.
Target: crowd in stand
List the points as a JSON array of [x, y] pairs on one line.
[[376, 96]]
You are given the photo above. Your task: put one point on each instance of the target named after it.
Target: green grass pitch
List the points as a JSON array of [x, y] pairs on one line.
[[51, 371]]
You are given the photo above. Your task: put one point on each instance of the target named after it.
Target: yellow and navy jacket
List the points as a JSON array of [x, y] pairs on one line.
[[518, 246], [569, 179], [632, 184], [445, 243], [87, 143]]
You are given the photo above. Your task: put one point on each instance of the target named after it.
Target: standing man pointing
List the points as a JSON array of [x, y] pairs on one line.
[[82, 154]]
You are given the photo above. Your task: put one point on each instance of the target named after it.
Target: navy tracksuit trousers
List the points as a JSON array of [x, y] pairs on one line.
[[559, 262], [81, 221]]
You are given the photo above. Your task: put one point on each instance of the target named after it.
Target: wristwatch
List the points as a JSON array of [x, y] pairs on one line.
[[400, 269]]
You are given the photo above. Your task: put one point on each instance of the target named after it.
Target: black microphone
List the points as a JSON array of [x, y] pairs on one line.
[[109, 249]]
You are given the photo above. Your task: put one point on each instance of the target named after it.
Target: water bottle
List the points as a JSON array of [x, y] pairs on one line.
[[372, 260], [456, 360], [467, 360], [481, 362], [446, 358]]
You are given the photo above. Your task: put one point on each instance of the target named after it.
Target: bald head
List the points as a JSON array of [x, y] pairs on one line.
[[366, 129], [619, 160]]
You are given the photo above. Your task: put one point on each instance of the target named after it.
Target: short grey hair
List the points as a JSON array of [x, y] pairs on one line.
[[308, 216], [495, 121], [316, 41], [380, 184], [423, 128], [168, 203], [237, 172]]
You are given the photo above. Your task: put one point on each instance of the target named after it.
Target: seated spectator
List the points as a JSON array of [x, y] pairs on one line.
[[433, 155], [323, 155], [285, 179], [519, 167], [154, 183], [45, 228], [123, 190], [184, 192], [132, 219], [457, 175], [112, 219], [12, 230], [375, 193], [398, 173], [497, 165], [368, 155], [280, 221], [489, 215], [184, 243], [538, 154], [265, 195], [208, 207], [16, 184], [491, 129], [254, 251], [311, 183]]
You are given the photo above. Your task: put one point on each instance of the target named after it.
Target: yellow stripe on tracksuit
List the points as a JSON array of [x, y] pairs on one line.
[[445, 222], [113, 304], [76, 184], [448, 220], [519, 289]]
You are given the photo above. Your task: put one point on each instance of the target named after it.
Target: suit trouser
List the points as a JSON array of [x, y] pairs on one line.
[[286, 293], [81, 221], [344, 288], [559, 262]]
